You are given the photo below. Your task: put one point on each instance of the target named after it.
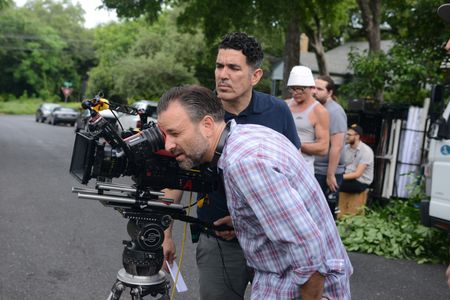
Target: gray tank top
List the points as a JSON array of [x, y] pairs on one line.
[[306, 132], [305, 129]]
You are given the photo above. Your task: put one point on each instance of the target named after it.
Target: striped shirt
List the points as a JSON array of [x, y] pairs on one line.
[[280, 216]]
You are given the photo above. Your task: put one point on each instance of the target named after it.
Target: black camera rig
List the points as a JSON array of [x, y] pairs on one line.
[[101, 153]]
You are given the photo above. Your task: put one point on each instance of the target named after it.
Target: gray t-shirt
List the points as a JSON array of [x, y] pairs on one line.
[[338, 124], [363, 154]]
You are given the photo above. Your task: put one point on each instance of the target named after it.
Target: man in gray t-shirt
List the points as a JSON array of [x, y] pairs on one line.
[[329, 169]]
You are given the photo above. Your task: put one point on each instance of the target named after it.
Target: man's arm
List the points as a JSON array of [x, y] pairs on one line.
[[358, 172], [289, 130], [337, 143], [321, 130], [313, 288], [168, 244]]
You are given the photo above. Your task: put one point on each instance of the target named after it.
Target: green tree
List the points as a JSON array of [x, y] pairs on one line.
[[79, 53], [412, 64], [318, 19], [5, 3], [29, 55], [112, 43], [37, 53], [144, 61], [217, 18]]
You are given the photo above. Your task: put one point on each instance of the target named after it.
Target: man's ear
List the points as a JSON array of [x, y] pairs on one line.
[[256, 76], [208, 124]]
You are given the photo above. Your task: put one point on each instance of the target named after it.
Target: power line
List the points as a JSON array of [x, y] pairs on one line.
[[38, 38]]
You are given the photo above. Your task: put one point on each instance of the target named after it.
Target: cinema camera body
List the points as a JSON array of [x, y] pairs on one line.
[[101, 153]]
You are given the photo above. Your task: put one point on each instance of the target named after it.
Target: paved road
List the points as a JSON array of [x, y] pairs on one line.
[[55, 246]]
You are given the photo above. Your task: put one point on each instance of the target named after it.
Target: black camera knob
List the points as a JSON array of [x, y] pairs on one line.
[[166, 220]]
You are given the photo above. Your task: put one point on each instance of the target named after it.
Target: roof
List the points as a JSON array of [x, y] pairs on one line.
[[337, 60]]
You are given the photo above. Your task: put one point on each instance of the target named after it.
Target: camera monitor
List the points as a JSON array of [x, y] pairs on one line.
[[82, 157]]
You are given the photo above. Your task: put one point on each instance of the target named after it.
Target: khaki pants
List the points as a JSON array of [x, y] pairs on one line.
[[352, 203]]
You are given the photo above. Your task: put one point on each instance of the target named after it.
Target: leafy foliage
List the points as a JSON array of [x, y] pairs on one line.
[[137, 61], [394, 231], [38, 51], [412, 64]]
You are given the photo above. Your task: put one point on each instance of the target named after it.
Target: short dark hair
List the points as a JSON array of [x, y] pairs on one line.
[[356, 128], [198, 101], [330, 84], [245, 43]]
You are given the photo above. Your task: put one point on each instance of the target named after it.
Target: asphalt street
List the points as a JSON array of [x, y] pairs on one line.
[[55, 246]]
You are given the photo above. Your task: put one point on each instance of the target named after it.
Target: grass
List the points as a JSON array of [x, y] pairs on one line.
[[28, 106]]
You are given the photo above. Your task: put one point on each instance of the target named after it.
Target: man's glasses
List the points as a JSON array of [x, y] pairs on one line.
[[294, 89]]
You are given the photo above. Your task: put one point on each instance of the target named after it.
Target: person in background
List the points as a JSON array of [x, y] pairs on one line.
[[222, 267], [329, 169], [278, 212], [311, 118], [359, 162], [444, 12]]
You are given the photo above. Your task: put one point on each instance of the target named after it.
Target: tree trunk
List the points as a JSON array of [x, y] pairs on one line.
[[371, 15], [315, 38], [291, 50]]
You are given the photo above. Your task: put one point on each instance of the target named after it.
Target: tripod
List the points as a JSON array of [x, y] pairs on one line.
[[140, 286], [143, 256]]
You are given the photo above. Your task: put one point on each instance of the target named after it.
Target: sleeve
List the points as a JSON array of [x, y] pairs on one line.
[[367, 156], [282, 213], [338, 121]]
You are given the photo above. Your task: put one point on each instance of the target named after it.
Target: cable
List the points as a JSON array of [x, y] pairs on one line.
[[180, 261], [190, 205], [228, 282]]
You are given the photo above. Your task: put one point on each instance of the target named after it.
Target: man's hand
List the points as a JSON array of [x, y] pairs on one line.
[[169, 251], [313, 288], [332, 183], [226, 234]]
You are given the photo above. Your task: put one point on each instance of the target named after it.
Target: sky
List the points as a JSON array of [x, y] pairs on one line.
[[93, 16]]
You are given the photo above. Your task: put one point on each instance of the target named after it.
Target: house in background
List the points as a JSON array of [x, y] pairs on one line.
[[337, 61]]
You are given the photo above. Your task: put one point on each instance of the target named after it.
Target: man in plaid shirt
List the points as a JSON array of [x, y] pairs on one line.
[[278, 210]]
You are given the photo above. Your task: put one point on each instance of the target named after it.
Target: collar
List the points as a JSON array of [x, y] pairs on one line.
[[257, 105], [220, 145]]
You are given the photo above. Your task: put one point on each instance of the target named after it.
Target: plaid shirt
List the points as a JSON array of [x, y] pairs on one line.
[[281, 218]]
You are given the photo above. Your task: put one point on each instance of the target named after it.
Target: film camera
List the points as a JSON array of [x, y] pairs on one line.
[[100, 153]]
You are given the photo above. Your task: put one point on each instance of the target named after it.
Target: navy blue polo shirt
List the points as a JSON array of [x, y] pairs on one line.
[[264, 110]]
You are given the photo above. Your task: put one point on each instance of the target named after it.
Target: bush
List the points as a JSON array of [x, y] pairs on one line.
[[395, 232]]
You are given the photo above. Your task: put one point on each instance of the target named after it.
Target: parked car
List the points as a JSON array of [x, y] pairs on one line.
[[64, 115], [83, 118], [44, 110], [133, 122]]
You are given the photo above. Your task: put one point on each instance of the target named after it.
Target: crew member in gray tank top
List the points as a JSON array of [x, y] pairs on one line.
[[311, 120]]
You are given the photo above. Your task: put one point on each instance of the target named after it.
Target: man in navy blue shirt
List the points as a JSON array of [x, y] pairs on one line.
[[223, 272]]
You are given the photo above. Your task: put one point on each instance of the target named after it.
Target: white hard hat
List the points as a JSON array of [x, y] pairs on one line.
[[301, 76]]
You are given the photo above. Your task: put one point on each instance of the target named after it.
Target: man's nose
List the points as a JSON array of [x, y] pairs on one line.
[[222, 73], [169, 144]]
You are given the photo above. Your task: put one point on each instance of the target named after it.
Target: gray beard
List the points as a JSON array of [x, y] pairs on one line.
[[187, 164]]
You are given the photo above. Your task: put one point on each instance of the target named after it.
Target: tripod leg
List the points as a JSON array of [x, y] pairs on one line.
[[116, 290]]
